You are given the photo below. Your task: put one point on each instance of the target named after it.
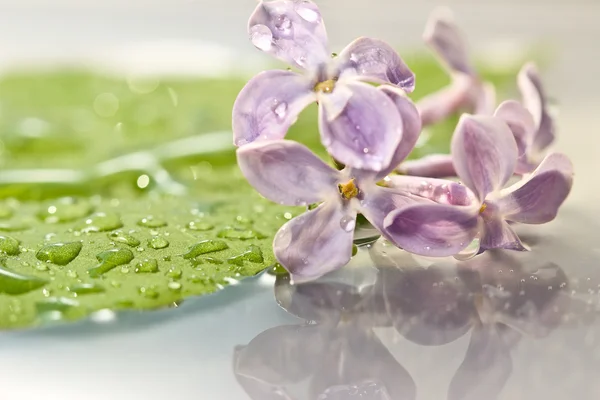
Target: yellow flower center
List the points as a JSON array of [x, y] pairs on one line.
[[348, 190], [325, 86], [483, 207]]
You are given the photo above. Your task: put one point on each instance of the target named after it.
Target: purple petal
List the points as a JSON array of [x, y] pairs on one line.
[[374, 60], [377, 202], [520, 122], [485, 98], [536, 199], [432, 166], [435, 230], [444, 37], [292, 31], [268, 105], [316, 242], [534, 99], [447, 101], [438, 190], [287, 172], [484, 153], [366, 133], [411, 127], [497, 234]]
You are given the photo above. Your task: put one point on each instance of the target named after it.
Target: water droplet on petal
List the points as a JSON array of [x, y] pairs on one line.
[[261, 37], [283, 24], [281, 110], [307, 13], [470, 251], [348, 223]]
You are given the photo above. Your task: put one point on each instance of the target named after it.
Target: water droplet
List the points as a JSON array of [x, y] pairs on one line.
[[308, 13], [54, 308], [9, 245], [158, 242], [261, 37], [281, 110], [205, 246], [366, 150], [348, 223], [110, 259], [102, 222], [41, 267], [14, 226], [152, 222], [65, 209], [283, 24], [72, 274], [149, 292], [212, 260], [146, 266], [470, 251], [143, 181], [122, 237], [59, 253], [252, 254], [174, 273], [86, 288], [175, 286], [106, 105], [103, 316], [230, 233], [15, 283], [287, 215], [200, 226]]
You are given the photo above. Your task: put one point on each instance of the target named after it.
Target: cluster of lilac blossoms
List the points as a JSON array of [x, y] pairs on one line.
[[372, 129]]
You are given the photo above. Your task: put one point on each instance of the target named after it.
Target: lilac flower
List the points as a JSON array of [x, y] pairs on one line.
[[359, 124], [485, 155], [530, 123], [467, 91], [320, 240]]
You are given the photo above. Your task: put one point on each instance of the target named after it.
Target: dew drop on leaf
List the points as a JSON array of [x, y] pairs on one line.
[[110, 259], [9, 245], [158, 242], [125, 238], [146, 266], [59, 253]]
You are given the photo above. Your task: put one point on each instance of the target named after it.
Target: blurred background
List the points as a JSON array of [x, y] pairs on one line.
[[190, 356]]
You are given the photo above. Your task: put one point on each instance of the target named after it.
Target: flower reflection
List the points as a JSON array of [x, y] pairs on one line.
[[338, 352]]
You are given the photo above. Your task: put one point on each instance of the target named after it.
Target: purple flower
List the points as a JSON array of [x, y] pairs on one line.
[[467, 91], [530, 123], [320, 240], [359, 124], [484, 154]]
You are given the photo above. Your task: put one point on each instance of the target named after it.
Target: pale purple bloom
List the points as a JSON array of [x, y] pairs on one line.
[[466, 92], [485, 156], [320, 240], [359, 125], [530, 122]]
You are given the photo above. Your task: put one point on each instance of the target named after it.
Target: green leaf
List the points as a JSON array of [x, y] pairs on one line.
[[113, 197]]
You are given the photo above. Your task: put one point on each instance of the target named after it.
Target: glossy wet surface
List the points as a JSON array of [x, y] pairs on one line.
[[504, 325]]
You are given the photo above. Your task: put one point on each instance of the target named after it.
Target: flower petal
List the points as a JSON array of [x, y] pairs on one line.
[[436, 230], [269, 104], [432, 166], [377, 202], [534, 99], [411, 127], [316, 242], [484, 153], [520, 122], [444, 37], [497, 234], [536, 199], [438, 190], [366, 134], [484, 98], [374, 60], [291, 30], [447, 101], [287, 172]]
